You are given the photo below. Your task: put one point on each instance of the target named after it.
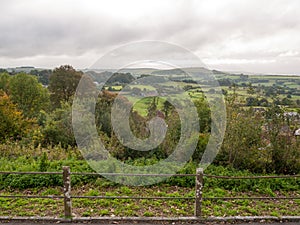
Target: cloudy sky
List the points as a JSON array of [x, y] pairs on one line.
[[259, 36]]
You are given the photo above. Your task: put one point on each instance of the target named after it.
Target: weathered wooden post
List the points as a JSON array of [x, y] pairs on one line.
[[67, 191], [199, 188]]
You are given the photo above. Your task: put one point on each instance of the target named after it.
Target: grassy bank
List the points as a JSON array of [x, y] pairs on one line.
[[26, 164], [38, 159], [128, 207]]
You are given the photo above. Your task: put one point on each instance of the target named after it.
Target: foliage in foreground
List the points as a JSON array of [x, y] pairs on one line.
[[24, 163], [145, 207]]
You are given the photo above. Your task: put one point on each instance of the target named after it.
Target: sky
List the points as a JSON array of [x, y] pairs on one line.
[[255, 36]]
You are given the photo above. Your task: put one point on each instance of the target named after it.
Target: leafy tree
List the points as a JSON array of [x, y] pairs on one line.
[[121, 78], [173, 134], [167, 107], [225, 82], [284, 152], [58, 127], [203, 110], [250, 89], [29, 95], [43, 75], [244, 77], [252, 101], [103, 112], [13, 124], [271, 92], [4, 81], [224, 92], [286, 101], [264, 102], [152, 108], [240, 148], [63, 83]]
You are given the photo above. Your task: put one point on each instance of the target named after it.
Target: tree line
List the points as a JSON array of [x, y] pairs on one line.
[[34, 114]]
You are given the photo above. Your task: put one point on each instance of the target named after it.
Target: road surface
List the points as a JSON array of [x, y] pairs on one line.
[[120, 223]]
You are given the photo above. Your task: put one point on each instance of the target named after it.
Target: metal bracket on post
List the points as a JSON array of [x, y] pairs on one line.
[[67, 192], [199, 188]]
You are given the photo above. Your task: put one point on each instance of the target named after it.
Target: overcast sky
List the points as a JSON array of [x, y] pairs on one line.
[[260, 36]]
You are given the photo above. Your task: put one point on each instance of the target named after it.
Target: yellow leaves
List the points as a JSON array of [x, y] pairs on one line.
[[13, 124]]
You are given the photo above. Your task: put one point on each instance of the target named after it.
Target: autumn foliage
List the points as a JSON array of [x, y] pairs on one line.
[[13, 124]]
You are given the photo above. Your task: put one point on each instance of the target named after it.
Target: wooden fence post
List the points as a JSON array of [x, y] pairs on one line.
[[67, 191], [199, 188]]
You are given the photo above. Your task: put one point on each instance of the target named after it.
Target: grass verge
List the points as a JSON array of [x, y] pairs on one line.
[[145, 207]]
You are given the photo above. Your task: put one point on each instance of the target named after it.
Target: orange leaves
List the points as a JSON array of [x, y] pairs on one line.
[[13, 124]]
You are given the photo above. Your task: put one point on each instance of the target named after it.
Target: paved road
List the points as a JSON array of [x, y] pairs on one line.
[[251, 223]]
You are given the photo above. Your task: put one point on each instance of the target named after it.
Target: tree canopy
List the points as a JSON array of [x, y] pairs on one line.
[[63, 83], [29, 95], [13, 124]]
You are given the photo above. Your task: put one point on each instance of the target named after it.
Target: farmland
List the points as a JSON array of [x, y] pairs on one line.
[[266, 87]]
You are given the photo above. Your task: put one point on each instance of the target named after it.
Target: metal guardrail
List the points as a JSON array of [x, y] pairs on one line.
[[199, 184]]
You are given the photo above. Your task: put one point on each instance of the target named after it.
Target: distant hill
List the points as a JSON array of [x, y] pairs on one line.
[[134, 71], [182, 71], [138, 71]]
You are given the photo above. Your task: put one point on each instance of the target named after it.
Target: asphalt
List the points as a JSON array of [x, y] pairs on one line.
[[174, 223]]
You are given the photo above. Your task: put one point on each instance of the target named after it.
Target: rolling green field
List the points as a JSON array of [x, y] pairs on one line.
[[268, 88]]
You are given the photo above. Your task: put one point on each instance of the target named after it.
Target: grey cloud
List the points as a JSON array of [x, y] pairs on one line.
[[72, 36], [57, 28]]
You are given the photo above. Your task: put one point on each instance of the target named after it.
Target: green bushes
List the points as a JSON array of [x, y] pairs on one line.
[[29, 181], [23, 163], [260, 142], [58, 128], [242, 185]]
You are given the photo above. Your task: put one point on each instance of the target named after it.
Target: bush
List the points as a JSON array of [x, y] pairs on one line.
[[58, 128]]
